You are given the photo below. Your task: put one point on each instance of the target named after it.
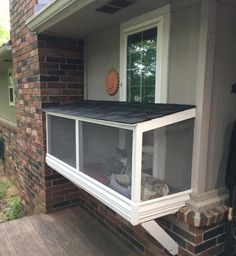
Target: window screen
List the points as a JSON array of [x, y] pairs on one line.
[[167, 160], [61, 139], [106, 155]]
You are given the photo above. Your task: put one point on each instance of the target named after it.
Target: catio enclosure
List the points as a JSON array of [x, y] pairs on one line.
[[136, 158]]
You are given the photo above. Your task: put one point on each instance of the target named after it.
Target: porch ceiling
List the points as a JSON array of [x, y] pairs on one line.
[[80, 19], [5, 55]]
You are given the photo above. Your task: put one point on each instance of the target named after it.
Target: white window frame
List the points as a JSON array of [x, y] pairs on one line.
[[10, 86], [134, 210], [161, 19]]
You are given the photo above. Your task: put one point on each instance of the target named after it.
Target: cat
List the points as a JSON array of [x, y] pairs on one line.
[[119, 163]]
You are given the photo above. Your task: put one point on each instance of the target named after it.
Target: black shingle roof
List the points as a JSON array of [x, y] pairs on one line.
[[116, 111]]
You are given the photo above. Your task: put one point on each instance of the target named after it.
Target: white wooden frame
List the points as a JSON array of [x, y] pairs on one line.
[[132, 210], [10, 86]]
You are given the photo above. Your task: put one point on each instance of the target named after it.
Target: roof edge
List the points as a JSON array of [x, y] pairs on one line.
[[53, 13], [5, 48]]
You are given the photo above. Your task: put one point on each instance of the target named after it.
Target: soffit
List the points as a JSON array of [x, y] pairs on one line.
[[80, 18], [5, 56]]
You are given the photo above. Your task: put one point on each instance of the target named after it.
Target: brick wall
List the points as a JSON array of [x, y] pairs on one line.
[[61, 69], [46, 70], [61, 80], [206, 240], [10, 154], [200, 241]]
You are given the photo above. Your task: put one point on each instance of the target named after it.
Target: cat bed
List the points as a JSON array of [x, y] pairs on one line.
[[115, 182], [151, 187]]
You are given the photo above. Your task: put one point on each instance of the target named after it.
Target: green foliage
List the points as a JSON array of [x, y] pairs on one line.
[[4, 35], [4, 185], [4, 22], [14, 209]]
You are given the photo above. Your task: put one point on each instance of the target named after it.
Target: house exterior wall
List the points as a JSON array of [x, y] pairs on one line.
[[49, 69], [184, 45], [7, 112], [103, 53], [197, 233], [223, 101]]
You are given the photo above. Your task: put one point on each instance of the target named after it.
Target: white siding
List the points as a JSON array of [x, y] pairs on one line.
[[102, 54], [184, 43], [223, 111]]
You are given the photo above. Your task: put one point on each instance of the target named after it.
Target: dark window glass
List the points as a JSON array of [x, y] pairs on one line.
[[11, 95], [141, 66]]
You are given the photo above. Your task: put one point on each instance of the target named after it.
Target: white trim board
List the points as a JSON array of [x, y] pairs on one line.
[[55, 12], [12, 124], [207, 200], [135, 213], [5, 48], [203, 95]]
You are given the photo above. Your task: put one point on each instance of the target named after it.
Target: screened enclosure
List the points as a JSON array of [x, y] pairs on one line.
[[136, 158]]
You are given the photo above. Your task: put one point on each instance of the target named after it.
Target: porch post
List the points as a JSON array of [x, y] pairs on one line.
[[203, 94]]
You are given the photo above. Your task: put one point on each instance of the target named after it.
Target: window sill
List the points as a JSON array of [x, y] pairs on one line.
[[7, 123]]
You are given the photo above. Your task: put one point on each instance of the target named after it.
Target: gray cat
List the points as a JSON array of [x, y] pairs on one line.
[[119, 163]]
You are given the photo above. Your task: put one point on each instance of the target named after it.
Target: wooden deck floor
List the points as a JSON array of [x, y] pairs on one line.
[[68, 232]]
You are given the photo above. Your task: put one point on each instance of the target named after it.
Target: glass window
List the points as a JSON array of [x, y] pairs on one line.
[[141, 66], [167, 170], [11, 92], [61, 139], [106, 155]]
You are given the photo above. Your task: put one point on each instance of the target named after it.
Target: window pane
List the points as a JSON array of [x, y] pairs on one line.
[[167, 160], [10, 87], [11, 96], [61, 139], [141, 66], [106, 155], [10, 79]]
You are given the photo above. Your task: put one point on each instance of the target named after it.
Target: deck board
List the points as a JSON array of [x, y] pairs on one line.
[[6, 247], [25, 238], [71, 232], [52, 239]]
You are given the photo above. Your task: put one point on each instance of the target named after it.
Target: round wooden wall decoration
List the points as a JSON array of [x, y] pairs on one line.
[[112, 82]]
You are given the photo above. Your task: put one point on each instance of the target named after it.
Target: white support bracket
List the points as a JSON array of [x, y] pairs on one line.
[[155, 230]]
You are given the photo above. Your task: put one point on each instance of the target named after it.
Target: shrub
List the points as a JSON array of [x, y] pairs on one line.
[[14, 209]]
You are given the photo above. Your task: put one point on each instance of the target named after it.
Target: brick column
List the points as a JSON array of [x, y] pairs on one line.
[[46, 70], [61, 76]]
